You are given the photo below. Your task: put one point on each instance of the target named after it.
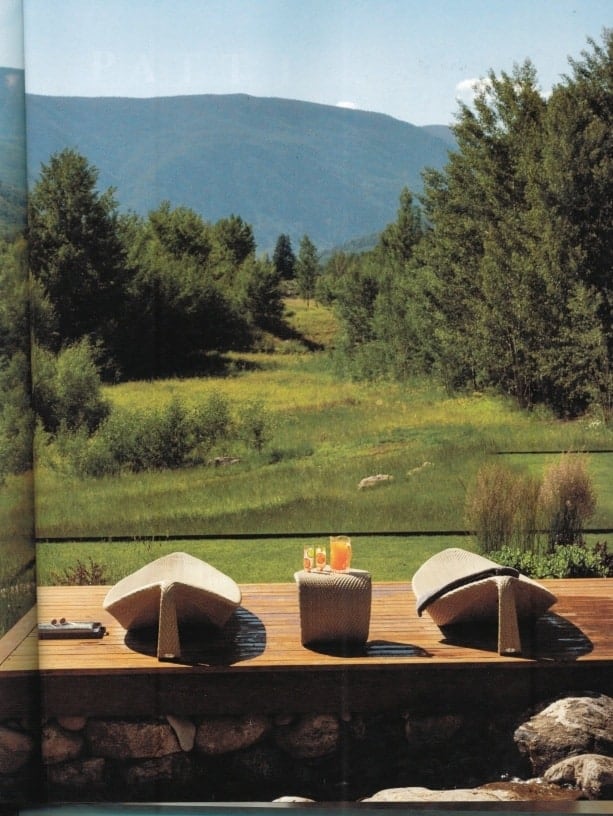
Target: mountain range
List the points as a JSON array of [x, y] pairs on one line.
[[284, 166]]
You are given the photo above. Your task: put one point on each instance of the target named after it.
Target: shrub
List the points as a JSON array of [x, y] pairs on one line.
[[501, 508], [16, 416], [66, 388], [566, 561], [212, 422], [255, 425], [82, 574], [567, 500], [137, 441]]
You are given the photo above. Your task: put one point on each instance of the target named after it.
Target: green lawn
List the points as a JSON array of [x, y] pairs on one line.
[[328, 434], [390, 558]]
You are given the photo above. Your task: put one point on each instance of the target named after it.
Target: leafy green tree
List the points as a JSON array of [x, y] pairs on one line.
[[182, 232], [75, 250], [398, 239], [176, 308], [498, 302], [307, 268], [21, 303], [260, 293], [66, 388], [235, 237], [283, 258]]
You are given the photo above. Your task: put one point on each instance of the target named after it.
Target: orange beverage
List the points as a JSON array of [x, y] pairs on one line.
[[320, 557], [340, 553], [309, 558]]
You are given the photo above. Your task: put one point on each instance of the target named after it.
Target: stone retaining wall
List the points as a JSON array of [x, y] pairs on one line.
[[316, 757]]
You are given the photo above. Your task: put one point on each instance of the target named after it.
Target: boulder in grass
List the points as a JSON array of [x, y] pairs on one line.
[[375, 481]]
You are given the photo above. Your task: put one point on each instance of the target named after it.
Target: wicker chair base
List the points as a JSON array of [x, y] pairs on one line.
[[334, 606]]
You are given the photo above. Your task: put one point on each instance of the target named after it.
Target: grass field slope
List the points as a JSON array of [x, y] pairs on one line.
[[328, 433]]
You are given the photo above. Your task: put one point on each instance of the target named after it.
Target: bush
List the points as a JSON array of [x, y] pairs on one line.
[[212, 422], [81, 574], [135, 441], [566, 561], [567, 500], [255, 425], [501, 508], [66, 388]]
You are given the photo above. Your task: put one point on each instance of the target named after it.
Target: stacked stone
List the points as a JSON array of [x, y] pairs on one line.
[[564, 750]]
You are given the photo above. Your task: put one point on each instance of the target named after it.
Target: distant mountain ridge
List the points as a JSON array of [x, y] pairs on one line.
[[12, 150], [284, 166]]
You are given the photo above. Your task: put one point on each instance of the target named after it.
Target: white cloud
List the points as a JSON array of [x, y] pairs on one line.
[[467, 89], [346, 104]]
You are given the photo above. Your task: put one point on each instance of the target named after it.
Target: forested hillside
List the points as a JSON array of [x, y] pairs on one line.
[[496, 279], [12, 151], [502, 278], [284, 165]]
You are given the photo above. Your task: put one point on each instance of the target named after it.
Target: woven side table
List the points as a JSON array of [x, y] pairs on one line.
[[334, 606]]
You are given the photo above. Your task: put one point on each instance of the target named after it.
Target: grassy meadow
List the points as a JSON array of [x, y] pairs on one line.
[[328, 434], [17, 572]]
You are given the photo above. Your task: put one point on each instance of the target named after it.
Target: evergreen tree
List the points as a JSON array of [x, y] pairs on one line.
[[398, 239], [307, 268], [283, 258]]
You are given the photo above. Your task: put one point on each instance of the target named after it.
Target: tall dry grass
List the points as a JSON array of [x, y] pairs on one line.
[[567, 499], [502, 507]]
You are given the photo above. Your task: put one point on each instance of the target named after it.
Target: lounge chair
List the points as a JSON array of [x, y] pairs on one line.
[[173, 589], [457, 586]]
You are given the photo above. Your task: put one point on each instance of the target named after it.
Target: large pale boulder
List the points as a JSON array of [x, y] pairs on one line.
[[311, 736], [220, 735], [570, 726], [592, 773], [531, 791], [16, 748], [124, 739]]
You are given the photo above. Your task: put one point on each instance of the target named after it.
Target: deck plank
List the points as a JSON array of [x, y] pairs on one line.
[[258, 657]]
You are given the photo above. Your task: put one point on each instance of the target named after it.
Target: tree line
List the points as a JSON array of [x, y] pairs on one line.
[[90, 294], [497, 277], [500, 276]]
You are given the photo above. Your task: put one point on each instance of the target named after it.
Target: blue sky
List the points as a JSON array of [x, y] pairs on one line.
[[411, 59]]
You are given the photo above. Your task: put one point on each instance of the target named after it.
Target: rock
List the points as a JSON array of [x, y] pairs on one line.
[[313, 735], [222, 461], [72, 723], [258, 766], [58, 745], [147, 776], [567, 727], [431, 731], [121, 739], [185, 731], [288, 800], [419, 468], [16, 748], [532, 791], [592, 773], [375, 481], [82, 775], [220, 735]]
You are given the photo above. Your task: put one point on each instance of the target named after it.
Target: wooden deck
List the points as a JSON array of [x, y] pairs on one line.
[[258, 663]]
